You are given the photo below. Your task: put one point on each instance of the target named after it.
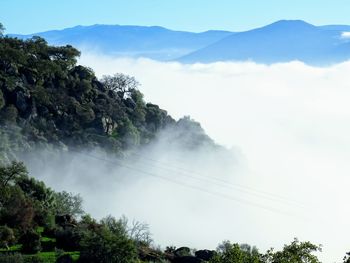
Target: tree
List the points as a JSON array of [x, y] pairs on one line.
[[36, 190], [7, 237], [66, 54], [16, 209], [107, 243], [30, 241], [235, 253], [2, 29], [296, 252], [68, 204], [137, 231], [9, 174], [120, 83], [347, 258]]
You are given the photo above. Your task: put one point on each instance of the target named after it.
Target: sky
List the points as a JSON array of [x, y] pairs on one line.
[[23, 16]]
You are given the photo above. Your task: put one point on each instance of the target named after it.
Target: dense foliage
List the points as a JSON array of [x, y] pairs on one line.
[[47, 99]]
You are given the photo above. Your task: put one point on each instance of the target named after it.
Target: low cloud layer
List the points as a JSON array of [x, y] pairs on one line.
[[345, 35], [288, 126]]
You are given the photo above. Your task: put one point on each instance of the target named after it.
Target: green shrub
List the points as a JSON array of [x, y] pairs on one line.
[[107, 243], [30, 242], [14, 258], [48, 245], [33, 259], [68, 239], [9, 114], [7, 237], [64, 259]]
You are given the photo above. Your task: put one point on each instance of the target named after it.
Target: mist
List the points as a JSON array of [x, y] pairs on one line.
[[284, 174]]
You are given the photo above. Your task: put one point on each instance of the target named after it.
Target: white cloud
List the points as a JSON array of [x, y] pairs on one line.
[[345, 35], [292, 124]]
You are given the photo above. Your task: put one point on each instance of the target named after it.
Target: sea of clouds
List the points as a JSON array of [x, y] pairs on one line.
[[288, 126]]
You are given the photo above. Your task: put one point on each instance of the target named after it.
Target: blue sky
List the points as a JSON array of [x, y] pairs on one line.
[[28, 16]]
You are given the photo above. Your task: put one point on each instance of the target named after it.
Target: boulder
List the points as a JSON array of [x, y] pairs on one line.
[[108, 125], [182, 251]]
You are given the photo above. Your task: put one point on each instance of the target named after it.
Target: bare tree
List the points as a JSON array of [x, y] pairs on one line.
[[122, 84], [68, 203], [138, 231]]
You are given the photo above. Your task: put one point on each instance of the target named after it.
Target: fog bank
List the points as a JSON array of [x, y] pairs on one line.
[[288, 126]]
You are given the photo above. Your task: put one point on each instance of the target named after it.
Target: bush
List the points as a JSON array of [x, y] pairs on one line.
[[64, 259], [68, 239], [235, 253], [14, 258], [48, 245], [49, 232], [30, 242], [9, 114], [7, 236], [33, 259], [107, 243]]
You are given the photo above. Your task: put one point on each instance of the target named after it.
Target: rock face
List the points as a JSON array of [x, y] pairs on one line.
[[182, 252], [108, 125]]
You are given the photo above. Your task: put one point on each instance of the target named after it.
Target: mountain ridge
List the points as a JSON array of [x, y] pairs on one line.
[[154, 42], [281, 41]]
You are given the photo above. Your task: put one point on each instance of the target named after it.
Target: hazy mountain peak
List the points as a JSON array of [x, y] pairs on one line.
[[290, 25], [281, 41]]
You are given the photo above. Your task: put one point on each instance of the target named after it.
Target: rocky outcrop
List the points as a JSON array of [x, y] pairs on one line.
[[108, 125]]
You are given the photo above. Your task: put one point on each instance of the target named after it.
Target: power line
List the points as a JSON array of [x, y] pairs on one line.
[[200, 177], [217, 194], [222, 183]]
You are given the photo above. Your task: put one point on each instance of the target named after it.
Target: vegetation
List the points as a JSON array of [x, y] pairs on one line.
[[47, 99]]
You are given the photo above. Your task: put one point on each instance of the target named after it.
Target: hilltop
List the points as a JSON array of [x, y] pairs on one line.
[[47, 100]]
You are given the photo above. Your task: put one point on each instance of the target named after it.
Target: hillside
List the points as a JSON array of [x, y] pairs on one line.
[[47, 100]]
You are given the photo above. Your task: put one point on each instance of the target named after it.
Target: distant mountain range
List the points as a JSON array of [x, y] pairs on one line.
[[132, 41], [282, 41]]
